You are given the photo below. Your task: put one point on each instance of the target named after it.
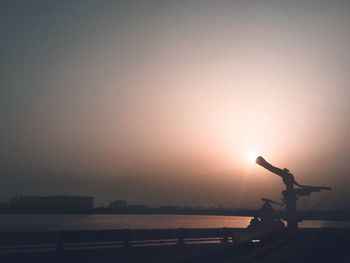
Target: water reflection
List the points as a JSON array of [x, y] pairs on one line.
[[44, 222]]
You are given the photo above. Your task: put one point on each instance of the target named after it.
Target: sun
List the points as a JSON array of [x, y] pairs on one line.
[[250, 152], [251, 156]]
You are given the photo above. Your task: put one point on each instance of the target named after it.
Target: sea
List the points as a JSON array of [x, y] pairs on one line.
[[58, 222]]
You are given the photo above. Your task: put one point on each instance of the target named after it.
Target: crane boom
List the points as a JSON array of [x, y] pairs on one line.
[[290, 194]]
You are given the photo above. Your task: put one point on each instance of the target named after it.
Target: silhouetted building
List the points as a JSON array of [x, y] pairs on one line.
[[118, 204], [53, 203], [168, 208], [137, 207]]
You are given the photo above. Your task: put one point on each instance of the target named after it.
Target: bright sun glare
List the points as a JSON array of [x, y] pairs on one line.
[[251, 156]]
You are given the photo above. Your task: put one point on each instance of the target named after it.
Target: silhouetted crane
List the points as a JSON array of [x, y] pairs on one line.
[[290, 194]]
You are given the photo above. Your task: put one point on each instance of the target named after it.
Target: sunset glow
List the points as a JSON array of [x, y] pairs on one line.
[[251, 156], [150, 101]]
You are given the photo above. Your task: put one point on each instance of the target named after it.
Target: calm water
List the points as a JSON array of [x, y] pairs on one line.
[[42, 222]]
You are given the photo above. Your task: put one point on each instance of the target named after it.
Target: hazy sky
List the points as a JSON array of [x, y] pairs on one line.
[[163, 102]]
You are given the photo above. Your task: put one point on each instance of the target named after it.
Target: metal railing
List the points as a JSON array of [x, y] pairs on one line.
[[61, 240]]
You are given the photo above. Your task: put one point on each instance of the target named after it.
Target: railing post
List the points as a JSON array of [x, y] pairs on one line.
[[234, 238], [181, 240], [60, 241], [127, 238], [224, 236]]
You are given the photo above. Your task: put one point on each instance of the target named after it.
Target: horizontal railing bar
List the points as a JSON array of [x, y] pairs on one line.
[[113, 238], [112, 235]]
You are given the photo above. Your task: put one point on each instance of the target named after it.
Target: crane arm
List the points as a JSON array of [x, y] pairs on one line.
[[262, 162], [284, 173]]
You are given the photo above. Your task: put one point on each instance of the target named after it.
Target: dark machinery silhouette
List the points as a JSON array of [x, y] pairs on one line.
[[266, 218], [269, 201], [290, 194]]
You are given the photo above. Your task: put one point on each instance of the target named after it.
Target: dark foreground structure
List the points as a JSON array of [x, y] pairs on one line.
[[176, 245], [266, 239], [291, 194]]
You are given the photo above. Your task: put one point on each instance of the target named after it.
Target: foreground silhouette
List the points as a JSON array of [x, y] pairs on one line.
[[267, 218], [265, 240], [290, 194]]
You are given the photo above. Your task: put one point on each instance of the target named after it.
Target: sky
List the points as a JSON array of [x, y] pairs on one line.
[[168, 102]]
